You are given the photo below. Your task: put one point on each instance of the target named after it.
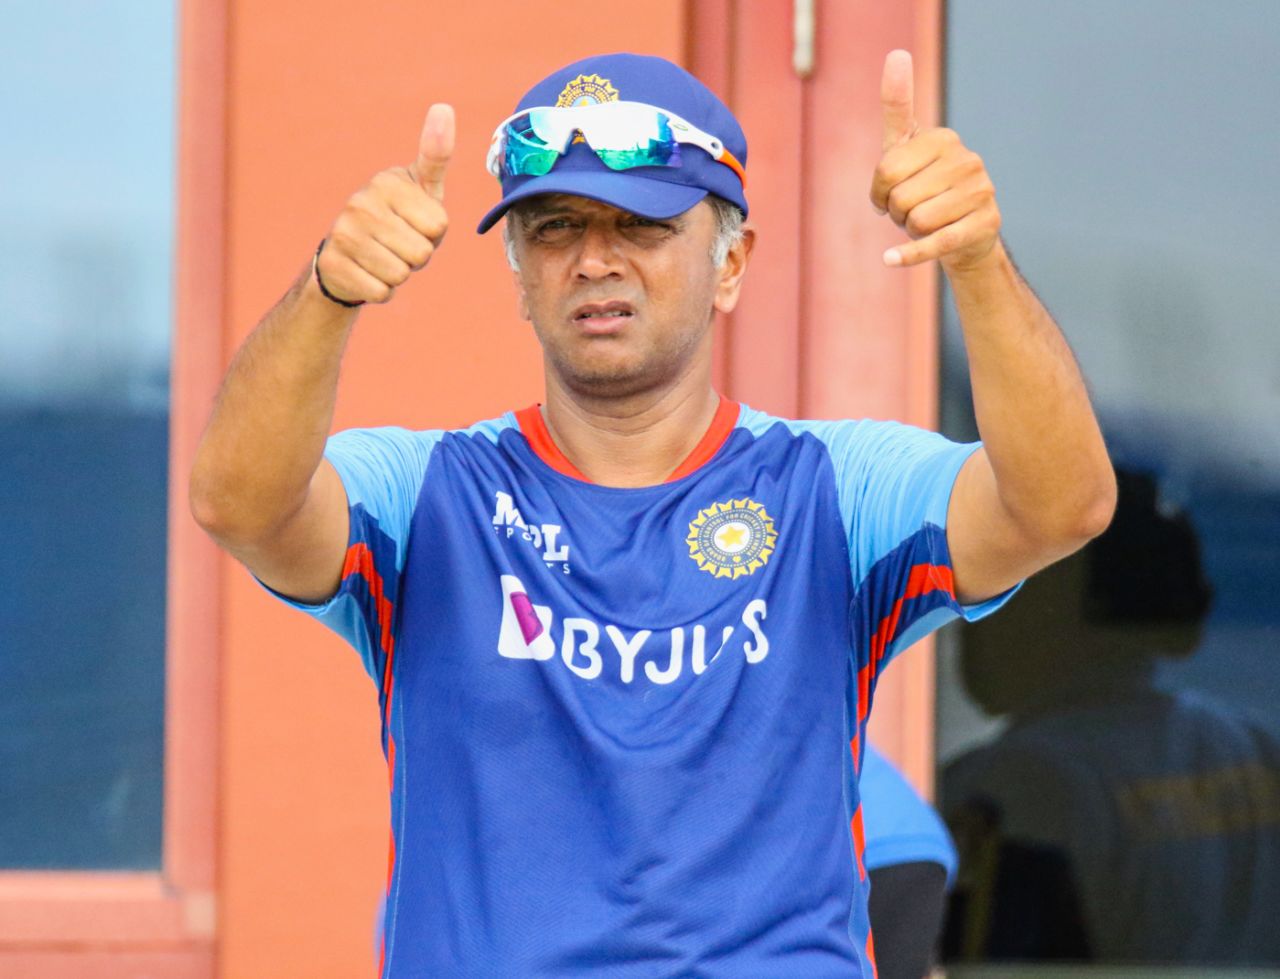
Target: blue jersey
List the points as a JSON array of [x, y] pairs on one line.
[[618, 721]]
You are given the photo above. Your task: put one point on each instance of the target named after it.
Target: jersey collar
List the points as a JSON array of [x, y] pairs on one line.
[[534, 429]]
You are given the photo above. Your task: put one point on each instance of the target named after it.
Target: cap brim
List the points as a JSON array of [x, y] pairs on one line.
[[629, 191]]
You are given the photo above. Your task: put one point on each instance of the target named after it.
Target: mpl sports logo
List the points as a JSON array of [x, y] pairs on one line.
[[545, 537]]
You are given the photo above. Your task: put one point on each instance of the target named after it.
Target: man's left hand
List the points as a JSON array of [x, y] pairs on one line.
[[930, 183]]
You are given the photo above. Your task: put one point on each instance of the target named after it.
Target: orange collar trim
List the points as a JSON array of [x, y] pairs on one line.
[[534, 429]]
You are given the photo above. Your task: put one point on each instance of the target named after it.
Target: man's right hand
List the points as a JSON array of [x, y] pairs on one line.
[[391, 227]]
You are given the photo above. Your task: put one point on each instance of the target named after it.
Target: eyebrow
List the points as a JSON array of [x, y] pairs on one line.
[[535, 209], [533, 215], [539, 208]]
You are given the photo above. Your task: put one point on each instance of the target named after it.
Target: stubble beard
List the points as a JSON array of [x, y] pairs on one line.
[[648, 371]]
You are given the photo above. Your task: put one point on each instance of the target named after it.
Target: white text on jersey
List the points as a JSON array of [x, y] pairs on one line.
[[525, 633], [507, 520]]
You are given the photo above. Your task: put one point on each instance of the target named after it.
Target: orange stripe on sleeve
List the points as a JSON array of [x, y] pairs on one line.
[[923, 579], [859, 841]]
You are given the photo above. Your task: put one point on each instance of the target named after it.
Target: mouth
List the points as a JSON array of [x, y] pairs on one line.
[[603, 318]]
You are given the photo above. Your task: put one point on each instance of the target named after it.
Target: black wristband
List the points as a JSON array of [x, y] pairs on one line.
[[315, 270]]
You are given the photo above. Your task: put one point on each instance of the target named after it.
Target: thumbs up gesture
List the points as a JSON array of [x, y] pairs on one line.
[[391, 227], [930, 183]]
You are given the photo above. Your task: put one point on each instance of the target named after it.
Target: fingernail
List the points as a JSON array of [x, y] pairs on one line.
[[893, 257], [879, 210]]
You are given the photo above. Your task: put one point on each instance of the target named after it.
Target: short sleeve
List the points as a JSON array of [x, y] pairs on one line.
[[382, 471], [894, 485]]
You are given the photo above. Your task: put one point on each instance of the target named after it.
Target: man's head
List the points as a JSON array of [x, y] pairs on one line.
[[1099, 618], [625, 235]]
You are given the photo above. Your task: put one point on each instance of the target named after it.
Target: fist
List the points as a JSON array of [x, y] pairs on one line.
[[931, 185], [391, 227]]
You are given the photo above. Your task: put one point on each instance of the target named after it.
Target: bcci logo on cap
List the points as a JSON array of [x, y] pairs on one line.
[[587, 90], [732, 539]]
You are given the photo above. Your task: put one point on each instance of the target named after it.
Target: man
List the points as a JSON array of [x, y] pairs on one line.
[[623, 639]]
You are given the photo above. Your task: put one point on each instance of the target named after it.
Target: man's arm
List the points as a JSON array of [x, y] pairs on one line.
[[1042, 485], [260, 486]]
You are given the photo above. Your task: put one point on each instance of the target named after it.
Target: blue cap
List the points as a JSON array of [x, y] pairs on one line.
[[651, 192]]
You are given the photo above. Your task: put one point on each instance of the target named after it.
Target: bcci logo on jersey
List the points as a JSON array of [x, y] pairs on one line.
[[729, 540]]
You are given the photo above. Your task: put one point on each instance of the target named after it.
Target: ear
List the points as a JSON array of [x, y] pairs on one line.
[[733, 270], [522, 300]]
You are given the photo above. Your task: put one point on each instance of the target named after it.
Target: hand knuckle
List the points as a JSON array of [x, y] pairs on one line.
[[422, 254], [361, 206], [386, 180], [339, 240]]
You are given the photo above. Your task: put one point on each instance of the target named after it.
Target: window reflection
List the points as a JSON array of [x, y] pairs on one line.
[[1128, 170], [86, 216], [1114, 819]]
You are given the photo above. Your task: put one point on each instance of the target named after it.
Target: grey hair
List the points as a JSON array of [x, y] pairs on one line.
[[729, 218]]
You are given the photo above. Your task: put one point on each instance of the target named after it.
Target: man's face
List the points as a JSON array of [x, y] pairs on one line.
[[620, 303]]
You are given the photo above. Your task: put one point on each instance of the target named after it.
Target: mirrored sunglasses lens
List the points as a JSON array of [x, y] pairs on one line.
[[545, 125], [636, 139], [524, 150]]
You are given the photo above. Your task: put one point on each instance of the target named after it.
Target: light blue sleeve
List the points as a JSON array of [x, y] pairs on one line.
[[900, 827], [894, 482], [382, 471], [893, 487]]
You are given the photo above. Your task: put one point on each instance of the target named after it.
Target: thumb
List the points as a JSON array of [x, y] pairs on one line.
[[435, 147], [897, 99]]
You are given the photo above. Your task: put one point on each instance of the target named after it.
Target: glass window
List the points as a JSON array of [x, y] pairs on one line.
[[1109, 745], [85, 268]]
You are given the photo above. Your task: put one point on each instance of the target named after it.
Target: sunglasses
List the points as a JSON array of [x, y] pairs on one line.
[[622, 134]]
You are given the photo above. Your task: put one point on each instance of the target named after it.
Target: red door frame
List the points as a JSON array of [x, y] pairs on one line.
[[824, 329]]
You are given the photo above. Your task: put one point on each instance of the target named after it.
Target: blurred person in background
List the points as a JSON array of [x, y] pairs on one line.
[[1113, 820], [911, 862]]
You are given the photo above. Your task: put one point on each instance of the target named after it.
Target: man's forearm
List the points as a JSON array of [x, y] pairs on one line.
[[267, 433], [1032, 407]]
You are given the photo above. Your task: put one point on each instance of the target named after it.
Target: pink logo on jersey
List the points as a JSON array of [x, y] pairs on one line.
[[530, 627], [525, 632]]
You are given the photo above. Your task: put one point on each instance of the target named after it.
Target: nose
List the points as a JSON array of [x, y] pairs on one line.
[[599, 254]]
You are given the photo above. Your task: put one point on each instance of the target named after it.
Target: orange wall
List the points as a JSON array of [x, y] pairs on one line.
[[322, 94]]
